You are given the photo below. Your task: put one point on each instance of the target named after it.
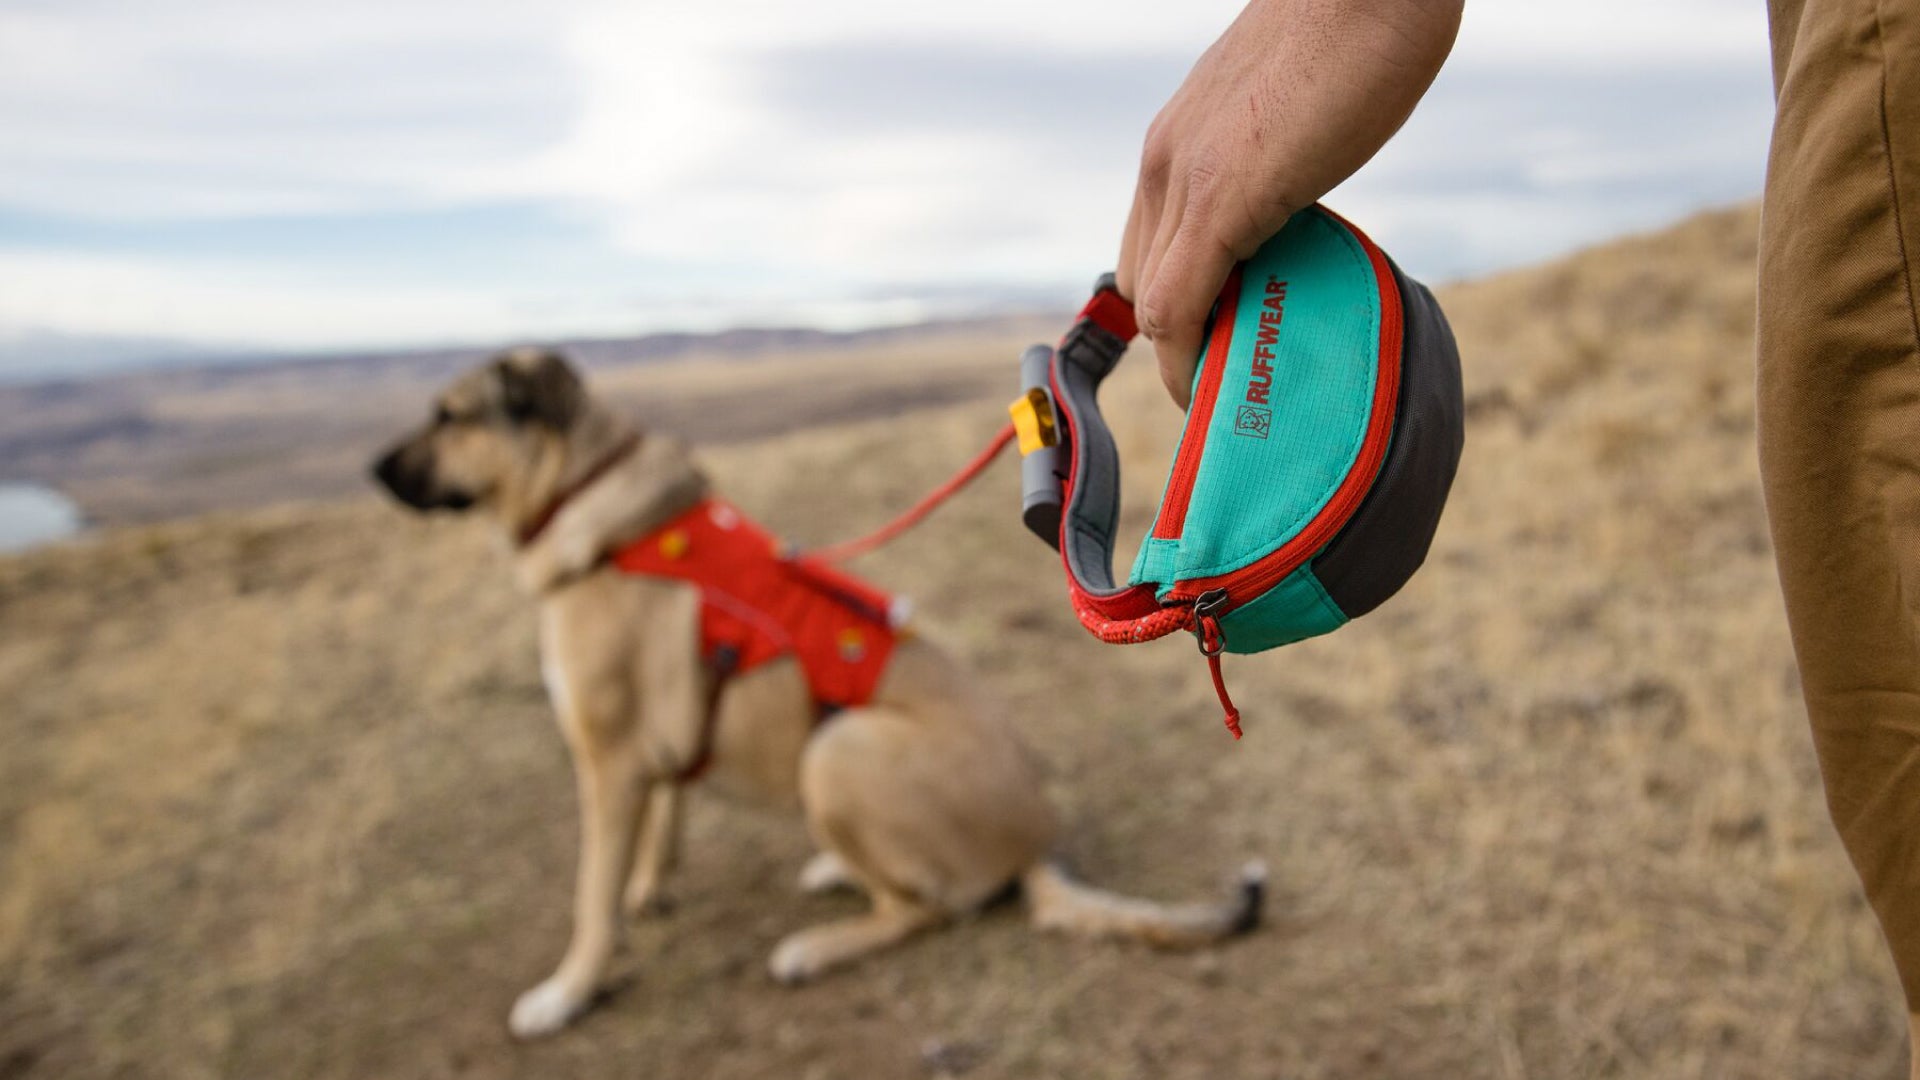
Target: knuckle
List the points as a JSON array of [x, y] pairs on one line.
[[1156, 157], [1151, 314], [1152, 180], [1157, 149], [1205, 182]]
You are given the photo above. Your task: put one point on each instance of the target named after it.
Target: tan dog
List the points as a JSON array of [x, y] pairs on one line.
[[922, 798]]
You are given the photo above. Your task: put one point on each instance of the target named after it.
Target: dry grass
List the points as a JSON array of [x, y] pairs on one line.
[[279, 795]]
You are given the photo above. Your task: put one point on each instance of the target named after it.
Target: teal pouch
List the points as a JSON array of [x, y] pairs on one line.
[[1325, 427]]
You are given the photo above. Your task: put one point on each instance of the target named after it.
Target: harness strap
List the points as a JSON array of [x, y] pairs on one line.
[[720, 667]]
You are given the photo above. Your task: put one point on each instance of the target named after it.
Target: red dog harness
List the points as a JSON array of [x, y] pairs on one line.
[[759, 602]]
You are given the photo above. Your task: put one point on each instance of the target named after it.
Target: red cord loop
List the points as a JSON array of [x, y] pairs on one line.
[[1212, 644]]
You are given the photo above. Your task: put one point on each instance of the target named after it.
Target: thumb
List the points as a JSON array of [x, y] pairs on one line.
[[1175, 301]]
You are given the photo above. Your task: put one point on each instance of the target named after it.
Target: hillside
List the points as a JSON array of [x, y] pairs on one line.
[[279, 794], [152, 445]]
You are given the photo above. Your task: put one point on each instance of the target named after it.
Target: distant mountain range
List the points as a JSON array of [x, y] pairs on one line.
[[186, 433], [29, 356]]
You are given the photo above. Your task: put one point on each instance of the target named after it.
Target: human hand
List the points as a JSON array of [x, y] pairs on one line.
[[1293, 99]]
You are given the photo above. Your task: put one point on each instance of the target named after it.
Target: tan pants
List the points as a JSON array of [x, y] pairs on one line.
[[1840, 420]]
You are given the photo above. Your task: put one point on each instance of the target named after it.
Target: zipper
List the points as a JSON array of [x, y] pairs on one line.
[[1256, 578], [1193, 442], [1273, 568]]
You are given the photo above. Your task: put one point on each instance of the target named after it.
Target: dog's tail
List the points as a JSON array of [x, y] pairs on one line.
[[1058, 902]]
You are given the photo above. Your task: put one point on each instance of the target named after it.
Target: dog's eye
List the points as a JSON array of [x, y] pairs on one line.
[[443, 415]]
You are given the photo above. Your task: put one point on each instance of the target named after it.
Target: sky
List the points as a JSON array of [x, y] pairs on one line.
[[286, 175]]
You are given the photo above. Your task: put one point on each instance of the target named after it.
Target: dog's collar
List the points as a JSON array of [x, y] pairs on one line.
[[531, 530]]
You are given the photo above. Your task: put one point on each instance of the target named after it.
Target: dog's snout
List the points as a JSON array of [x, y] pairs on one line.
[[408, 471], [391, 470], [406, 482], [386, 468]]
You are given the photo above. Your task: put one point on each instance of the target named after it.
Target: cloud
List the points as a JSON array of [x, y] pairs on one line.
[[229, 302], [1069, 104], [741, 125], [895, 151], [124, 111], [357, 171], [1512, 161], [1629, 33]]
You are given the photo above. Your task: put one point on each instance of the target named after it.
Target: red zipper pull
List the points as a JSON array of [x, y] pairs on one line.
[[1212, 643]]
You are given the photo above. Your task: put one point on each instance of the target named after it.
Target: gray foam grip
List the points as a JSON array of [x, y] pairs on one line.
[[1085, 359]]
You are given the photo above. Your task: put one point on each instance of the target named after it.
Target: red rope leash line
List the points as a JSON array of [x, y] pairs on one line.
[[861, 545], [1150, 627]]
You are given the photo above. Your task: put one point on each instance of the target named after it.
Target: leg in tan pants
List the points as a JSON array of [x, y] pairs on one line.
[[1840, 421]]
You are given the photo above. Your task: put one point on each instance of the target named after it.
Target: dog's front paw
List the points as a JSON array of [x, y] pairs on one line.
[[793, 961], [545, 1009], [824, 873]]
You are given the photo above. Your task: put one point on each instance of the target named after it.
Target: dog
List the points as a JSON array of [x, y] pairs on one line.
[[922, 797]]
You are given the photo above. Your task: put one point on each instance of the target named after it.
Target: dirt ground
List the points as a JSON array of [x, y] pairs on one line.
[[280, 796]]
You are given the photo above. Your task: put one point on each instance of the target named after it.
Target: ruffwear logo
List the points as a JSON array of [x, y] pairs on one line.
[[1252, 421], [1255, 419]]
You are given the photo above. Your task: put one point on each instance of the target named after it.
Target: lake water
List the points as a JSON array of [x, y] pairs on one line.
[[31, 514]]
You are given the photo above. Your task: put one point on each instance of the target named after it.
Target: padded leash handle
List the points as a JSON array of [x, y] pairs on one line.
[[1092, 347], [1071, 469], [1070, 495]]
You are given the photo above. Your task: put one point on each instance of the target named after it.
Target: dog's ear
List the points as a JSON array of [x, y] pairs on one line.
[[539, 386]]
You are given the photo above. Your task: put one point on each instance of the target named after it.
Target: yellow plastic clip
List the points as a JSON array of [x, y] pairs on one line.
[[1032, 415]]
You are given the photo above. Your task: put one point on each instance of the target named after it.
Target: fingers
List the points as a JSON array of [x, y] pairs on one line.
[[1172, 218], [1173, 264], [1176, 296], [1143, 219], [1133, 244]]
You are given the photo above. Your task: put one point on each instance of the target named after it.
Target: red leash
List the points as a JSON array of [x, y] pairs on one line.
[[861, 545]]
